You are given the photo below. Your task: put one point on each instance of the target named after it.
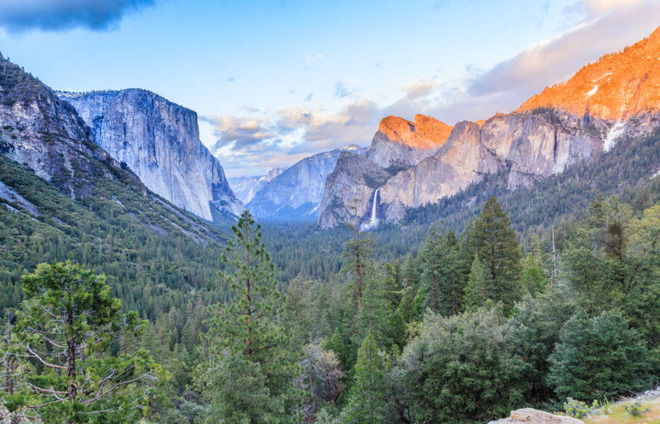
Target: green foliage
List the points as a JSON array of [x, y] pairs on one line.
[[533, 332], [367, 403], [496, 245], [239, 392], [478, 290], [577, 409], [599, 357], [443, 273], [246, 333], [64, 335], [635, 409], [460, 368]]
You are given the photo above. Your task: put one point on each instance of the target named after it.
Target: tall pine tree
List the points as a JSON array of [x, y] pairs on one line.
[[496, 244], [246, 339]]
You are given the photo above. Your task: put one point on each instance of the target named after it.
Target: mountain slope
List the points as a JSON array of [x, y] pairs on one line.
[[297, 192], [560, 127], [246, 187], [616, 87], [63, 197], [159, 141]]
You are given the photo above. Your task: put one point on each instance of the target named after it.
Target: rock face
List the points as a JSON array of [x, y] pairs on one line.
[[297, 192], [246, 187], [616, 87], [534, 416], [348, 188], [400, 144], [159, 141], [617, 96], [46, 135]]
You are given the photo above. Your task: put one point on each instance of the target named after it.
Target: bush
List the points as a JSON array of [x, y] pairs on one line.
[[577, 409], [636, 409]]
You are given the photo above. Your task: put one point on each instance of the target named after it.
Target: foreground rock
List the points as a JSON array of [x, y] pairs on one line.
[[534, 416]]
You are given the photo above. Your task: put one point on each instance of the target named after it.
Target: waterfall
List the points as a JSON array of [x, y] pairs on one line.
[[373, 223], [374, 218]]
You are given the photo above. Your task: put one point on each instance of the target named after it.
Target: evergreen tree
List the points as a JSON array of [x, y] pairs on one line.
[[442, 272], [66, 329], [479, 288], [496, 244], [246, 331], [533, 332], [460, 369], [532, 275], [599, 358], [367, 402], [376, 316], [357, 254]]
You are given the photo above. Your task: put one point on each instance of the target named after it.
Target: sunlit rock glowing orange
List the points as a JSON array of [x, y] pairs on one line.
[[424, 133], [616, 87]]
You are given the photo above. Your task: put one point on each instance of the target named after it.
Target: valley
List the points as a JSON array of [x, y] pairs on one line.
[[441, 273]]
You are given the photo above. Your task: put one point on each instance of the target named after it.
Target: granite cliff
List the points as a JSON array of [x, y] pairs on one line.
[[45, 146], [159, 141], [246, 187], [607, 101], [398, 145], [296, 193], [616, 87]]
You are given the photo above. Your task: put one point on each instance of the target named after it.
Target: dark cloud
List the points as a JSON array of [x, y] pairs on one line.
[[62, 15]]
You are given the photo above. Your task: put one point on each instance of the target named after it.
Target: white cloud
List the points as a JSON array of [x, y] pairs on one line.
[[311, 59]]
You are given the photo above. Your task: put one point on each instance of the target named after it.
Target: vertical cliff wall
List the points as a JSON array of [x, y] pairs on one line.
[[159, 141]]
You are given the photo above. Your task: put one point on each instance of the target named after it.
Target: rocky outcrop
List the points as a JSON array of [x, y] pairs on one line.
[[461, 161], [529, 146], [348, 189], [534, 416], [616, 87], [45, 134], [246, 187], [159, 141], [297, 192], [401, 144], [397, 145], [615, 98]]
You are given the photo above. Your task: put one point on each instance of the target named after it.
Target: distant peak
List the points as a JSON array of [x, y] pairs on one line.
[[615, 87], [424, 133]]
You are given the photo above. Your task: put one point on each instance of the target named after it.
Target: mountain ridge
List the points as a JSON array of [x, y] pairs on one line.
[[539, 139]]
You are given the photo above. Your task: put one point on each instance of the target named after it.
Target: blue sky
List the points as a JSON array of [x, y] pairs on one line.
[[275, 81]]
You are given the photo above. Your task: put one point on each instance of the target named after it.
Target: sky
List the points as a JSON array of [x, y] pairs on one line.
[[276, 81]]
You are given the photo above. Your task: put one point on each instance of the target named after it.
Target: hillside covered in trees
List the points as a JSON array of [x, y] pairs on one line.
[[470, 327]]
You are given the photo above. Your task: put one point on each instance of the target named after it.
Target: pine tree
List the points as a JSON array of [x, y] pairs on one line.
[[499, 252], [376, 316], [367, 403], [478, 289], [442, 273], [246, 331], [67, 328], [357, 253]]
